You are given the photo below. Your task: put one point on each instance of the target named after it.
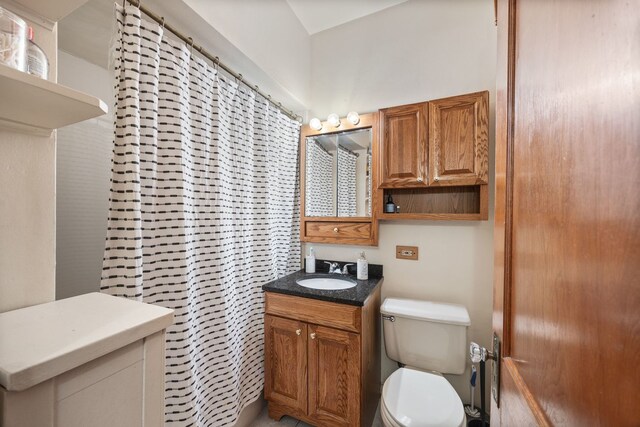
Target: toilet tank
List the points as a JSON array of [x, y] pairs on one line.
[[426, 335]]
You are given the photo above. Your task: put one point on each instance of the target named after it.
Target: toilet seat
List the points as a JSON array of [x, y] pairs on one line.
[[413, 398]]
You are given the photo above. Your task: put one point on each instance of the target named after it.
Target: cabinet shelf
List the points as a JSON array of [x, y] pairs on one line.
[[432, 216], [461, 203], [38, 105]]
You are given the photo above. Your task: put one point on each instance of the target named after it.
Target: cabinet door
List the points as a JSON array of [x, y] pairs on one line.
[[403, 146], [286, 363], [459, 140], [334, 376]]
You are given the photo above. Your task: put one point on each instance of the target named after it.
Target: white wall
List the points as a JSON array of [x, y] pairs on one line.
[[27, 220], [269, 33], [412, 52], [83, 182], [417, 51], [27, 203]]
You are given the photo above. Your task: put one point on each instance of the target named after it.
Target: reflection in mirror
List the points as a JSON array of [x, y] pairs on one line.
[[338, 174], [320, 169]]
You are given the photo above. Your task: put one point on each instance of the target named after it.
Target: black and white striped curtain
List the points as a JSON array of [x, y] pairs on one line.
[[347, 174], [204, 209], [319, 198]]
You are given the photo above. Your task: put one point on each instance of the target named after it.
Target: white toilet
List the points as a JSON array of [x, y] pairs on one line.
[[430, 339]]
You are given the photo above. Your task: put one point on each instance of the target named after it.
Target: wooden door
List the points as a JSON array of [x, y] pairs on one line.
[[567, 218], [459, 140], [403, 146], [334, 376], [286, 363]]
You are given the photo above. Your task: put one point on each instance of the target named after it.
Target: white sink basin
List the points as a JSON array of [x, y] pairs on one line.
[[326, 283]]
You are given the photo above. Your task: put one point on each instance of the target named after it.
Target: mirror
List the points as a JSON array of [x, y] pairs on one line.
[[338, 174]]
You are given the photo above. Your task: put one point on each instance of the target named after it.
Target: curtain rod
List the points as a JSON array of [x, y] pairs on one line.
[[189, 41]]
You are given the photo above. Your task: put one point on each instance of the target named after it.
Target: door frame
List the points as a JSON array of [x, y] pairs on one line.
[[509, 377]]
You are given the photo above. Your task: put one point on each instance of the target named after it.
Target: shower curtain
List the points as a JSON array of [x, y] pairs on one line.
[[204, 209]]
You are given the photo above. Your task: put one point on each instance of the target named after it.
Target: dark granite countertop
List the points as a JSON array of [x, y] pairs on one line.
[[353, 296]]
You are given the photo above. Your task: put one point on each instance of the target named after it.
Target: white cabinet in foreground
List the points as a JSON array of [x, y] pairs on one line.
[[91, 360]]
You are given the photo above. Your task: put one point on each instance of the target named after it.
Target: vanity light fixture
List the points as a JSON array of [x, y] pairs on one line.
[[353, 118], [315, 124], [334, 120]]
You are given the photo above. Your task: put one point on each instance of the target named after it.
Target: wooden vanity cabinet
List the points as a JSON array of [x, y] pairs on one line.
[[286, 362], [322, 360]]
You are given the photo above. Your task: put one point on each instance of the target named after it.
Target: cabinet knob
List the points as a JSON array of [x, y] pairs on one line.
[[335, 230], [419, 179], [298, 331], [313, 335]]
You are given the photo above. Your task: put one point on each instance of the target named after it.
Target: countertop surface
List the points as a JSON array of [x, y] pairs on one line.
[[40, 342], [353, 296]]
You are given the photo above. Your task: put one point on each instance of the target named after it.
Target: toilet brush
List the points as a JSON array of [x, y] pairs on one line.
[[471, 409]]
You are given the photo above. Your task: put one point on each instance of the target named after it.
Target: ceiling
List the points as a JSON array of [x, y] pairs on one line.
[[318, 16], [87, 33]]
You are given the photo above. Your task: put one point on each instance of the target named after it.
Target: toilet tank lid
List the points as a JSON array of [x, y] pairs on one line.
[[453, 314]]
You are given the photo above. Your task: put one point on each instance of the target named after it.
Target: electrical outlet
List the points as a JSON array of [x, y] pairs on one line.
[[407, 252]]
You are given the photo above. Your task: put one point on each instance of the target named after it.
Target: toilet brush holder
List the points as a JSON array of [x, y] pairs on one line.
[[480, 354], [471, 410]]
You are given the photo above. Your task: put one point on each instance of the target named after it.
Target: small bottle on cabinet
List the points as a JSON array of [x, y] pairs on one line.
[[390, 206]]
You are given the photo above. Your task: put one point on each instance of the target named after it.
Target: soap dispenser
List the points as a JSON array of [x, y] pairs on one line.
[[310, 263], [363, 267]]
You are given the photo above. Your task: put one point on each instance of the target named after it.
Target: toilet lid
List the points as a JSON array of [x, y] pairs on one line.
[[421, 399]]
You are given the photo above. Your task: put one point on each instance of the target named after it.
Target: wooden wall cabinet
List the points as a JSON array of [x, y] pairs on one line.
[[322, 360], [403, 146], [434, 158], [459, 140]]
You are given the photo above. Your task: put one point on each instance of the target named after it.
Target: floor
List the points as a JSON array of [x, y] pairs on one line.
[[264, 421]]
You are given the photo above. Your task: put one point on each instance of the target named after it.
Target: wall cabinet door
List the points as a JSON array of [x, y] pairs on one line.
[[459, 140], [334, 376], [403, 146], [286, 362]]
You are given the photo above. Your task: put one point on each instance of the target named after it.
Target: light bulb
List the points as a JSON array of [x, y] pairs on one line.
[[315, 124], [353, 118], [334, 120]]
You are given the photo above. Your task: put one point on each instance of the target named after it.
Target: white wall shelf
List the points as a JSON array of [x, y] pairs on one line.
[[29, 102]]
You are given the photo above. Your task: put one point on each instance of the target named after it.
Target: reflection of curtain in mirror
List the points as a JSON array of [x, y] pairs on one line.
[[319, 181], [346, 182]]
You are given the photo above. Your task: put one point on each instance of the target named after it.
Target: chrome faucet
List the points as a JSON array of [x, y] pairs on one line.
[[334, 268]]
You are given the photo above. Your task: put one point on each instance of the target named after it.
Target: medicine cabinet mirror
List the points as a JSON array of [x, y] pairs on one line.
[[338, 174], [338, 182]]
